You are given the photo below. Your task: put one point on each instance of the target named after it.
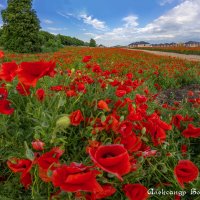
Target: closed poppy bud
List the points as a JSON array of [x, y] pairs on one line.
[[38, 145], [63, 122]]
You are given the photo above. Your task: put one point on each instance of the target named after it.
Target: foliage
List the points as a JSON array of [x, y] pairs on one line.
[[20, 27], [92, 43]]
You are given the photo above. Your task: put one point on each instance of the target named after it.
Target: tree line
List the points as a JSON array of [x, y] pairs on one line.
[[21, 31]]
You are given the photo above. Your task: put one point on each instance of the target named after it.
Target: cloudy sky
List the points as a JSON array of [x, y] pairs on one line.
[[116, 22]]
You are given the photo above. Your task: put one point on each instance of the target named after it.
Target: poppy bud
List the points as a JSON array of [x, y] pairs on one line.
[[63, 122]]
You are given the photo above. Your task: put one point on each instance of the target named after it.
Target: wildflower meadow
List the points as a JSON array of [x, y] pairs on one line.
[[91, 123]]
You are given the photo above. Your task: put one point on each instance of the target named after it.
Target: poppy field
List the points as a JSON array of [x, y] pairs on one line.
[[89, 123]]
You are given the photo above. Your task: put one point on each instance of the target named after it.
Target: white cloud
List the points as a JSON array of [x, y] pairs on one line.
[[63, 15], [56, 29], [181, 23], [130, 21], [95, 23], [87, 19], [47, 21]]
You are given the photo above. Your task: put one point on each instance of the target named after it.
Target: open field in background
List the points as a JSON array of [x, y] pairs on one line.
[[178, 49], [129, 118]]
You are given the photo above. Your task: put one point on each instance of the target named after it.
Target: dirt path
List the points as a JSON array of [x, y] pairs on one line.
[[176, 55]]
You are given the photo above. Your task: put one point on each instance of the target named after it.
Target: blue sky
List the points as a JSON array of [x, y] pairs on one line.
[[112, 22]]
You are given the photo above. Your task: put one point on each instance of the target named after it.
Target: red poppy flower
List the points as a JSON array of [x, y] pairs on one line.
[[86, 59], [40, 93], [96, 69], [76, 177], [5, 107], [48, 162], [48, 158], [113, 159], [132, 143], [8, 71], [176, 120], [108, 190], [191, 131], [80, 87], [140, 99], [103, 105], [76, 117], [136, 191], [22, 166], [23, 89], [1, 54], [71, 93], [125, 128], [38, 145], [129, 75], [185, 172], [30, 72], [120, 93], [57, 88]]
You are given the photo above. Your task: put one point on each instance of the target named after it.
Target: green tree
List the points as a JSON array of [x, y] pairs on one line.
[[20, 27], [92, 43]]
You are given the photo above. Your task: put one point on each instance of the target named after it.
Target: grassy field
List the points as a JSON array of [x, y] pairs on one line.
[[92, 123]]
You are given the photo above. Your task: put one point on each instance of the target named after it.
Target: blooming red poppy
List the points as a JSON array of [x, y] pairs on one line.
[[48, 158], [76, 177], [108, 190], [103, 105], [176, 120], [76, 117], [185, 172], [81, 87], [132, 143], [30, 72], [1, 54], [125, 128], [8, 71], [22, 166], [5, 107], [49, 161], [191, 131], [120, 93], [23, 89], [38, 145], [129, 75], [96, 69], [113, 159], [40, 93], [136, 191], [86, 59], [140, 99], [71, 93]]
